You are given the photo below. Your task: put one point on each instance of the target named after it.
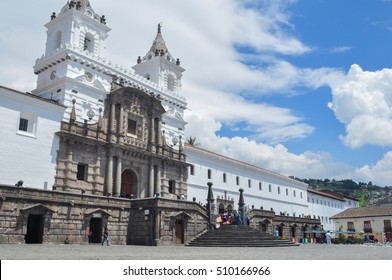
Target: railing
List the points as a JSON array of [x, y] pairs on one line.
[[351, 229]]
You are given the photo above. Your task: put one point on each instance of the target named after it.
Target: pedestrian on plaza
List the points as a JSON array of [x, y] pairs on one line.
[[90, 236], [328, 238], [105, 236], [384, 239]]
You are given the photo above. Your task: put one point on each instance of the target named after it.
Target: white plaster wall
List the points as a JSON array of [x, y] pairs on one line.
[[324, 207], [31, 158], [253, 195]]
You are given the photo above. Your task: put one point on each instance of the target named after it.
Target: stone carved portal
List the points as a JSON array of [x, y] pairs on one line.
[[129, 184]]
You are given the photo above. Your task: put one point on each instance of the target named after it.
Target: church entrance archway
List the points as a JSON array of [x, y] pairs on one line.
[[128, 183], [35, 229], [96, 225]]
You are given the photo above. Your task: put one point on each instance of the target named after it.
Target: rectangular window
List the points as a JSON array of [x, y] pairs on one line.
[[249, 183], [287, 191], [387, 226], [294, 193], [300, 194], [350, 226], [27, 123], [172, 186], [224, 178], [23, 124], [209, 173], [260, 186], [270, 188], [192, 170], [278, 189], [237, 180], [367, 226], [81, 174], [131, 126]]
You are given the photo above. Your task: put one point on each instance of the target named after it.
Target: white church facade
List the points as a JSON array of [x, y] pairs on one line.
[[99, 145]]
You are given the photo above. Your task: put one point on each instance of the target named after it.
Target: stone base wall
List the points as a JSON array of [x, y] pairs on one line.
[[67, 216], [165, 222], [287, 226]]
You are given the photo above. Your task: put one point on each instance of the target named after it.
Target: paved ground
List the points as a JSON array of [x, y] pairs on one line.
[[116, 252]]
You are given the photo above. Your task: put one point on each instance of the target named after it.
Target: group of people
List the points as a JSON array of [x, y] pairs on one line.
[[232, 218]]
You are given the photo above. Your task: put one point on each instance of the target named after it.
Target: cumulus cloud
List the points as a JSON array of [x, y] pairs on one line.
[[362, 101], [379, 172], [272, 157]]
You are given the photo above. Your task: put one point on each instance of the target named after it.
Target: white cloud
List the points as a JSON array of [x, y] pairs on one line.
[[261, 121], [379, 172], [363, 103], [272, 157]]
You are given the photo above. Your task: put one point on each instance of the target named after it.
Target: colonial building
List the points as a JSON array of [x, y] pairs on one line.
[[367, 220], [92, 138], [99, 145]]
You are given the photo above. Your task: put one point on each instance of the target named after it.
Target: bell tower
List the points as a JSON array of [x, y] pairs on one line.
[[72, 67], [160, 67]]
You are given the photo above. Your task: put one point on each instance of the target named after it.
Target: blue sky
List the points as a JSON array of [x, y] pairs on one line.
[[300, 87]]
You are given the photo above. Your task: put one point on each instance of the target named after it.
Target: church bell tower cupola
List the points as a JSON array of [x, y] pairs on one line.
[[159, 66], [72, 67]]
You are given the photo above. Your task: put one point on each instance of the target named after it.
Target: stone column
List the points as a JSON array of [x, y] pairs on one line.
[[159, 181], [210, 202], [117, 185], [152, 135], [150, 192], [111, 122], [109, 176], [120, 126], [241, 208], [159, 136]]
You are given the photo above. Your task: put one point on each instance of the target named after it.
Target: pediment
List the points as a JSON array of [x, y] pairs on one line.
[[37, 208]]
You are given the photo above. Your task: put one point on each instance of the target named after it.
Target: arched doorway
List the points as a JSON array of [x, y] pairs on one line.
[[293, 230], [221, 208], [280, 230], [128, 183]]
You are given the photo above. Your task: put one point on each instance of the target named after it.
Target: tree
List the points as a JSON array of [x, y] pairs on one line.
[[192, 141]]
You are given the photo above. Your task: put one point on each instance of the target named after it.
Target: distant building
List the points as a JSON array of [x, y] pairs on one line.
[[367, 220]]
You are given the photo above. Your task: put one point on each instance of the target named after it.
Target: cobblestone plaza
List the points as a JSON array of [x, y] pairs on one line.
[[117, 252]]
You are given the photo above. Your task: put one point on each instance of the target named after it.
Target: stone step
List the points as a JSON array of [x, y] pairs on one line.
[[239, 236]]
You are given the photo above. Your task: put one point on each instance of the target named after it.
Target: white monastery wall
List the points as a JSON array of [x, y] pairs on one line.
[[28, 155]]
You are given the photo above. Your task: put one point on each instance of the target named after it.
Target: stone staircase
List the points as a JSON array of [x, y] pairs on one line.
[[238, 236]]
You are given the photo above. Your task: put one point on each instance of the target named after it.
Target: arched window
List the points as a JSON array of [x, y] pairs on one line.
[[57, 42], [170, 82], [88, 43]]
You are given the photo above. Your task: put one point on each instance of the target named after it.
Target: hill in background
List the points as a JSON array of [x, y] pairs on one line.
[[367, 193]]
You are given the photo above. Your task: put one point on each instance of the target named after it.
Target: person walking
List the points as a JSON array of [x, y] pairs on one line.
[[328, 238], [105, 236]]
